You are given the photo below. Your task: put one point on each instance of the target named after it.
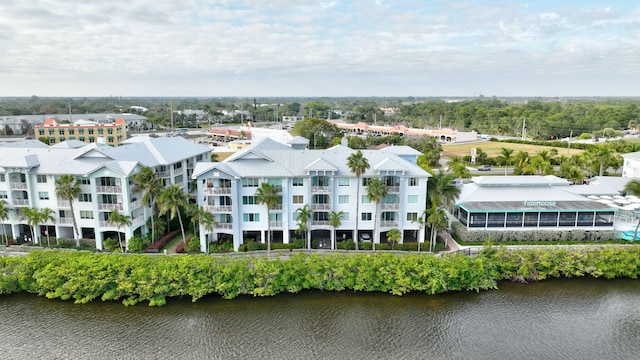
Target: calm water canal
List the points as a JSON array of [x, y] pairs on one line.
[[556, 319]]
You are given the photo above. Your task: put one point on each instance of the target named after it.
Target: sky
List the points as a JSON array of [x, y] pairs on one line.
[[319, 48]]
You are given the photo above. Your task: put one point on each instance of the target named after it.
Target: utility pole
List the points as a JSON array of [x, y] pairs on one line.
[[569, 142], [440, 126], [524, 128]]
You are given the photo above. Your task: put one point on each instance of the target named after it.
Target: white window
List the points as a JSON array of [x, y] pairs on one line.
[[298, 182], [250, 182], [365, 200], [365, 181], [412, 199], [412, 216], [178, 179], [249, 200], [251, 217], [343, 199], [83, 180], [84, 198], [43, 195], [345, 216], [413, 181], [41, 179], [298, 199], [366, 216], [3, 194], [343, 181], [86, 214], [1, 177]]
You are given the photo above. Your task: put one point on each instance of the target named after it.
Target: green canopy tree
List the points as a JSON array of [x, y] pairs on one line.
[[268, 195], [68, 189], [394, 236], [119, 220], [506, 157], [376, 191], [357, 164], [437, 220], [170, 200]]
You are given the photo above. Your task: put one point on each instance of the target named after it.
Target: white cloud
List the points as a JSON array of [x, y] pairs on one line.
[[379, 48]]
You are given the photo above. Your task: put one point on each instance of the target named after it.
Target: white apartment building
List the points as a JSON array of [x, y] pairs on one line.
[[320, 179], [29, 169]]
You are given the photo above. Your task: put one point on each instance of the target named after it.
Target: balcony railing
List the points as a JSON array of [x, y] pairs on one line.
[[276, 207], [219, 208], [393, 189], [389, 224], [65, 221], [63, 204], [138, 219], [18, 186], [320, 189], [103, 206], [21, 202], [275, 224], [217, 191], [136, 204], [109, 189], [320, 222], [390, 206], [225, 226], [104, 223], [320, 207], [164, 174]]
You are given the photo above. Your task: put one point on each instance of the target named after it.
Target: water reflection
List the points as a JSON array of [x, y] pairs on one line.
[[555, 319]]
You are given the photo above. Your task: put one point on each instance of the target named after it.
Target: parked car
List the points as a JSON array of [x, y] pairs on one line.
[[484, 167], [365, 237]]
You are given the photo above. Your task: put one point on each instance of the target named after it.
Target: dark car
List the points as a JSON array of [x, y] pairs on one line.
[[484, 167]]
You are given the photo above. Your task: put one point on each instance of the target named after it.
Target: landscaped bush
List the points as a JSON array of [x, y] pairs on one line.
[[136, 244], [110, 244], [346, 245], [461, 233], [85, 277], [193, 245]]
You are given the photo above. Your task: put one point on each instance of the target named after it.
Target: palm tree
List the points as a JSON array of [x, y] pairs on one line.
[[68, 188], [506, 156], [202, 217], [441, 191], [4, 215], [268, 195], [46, 216], [119, 220], [170, 200], [393, 236], [437, 220], [376, 191], [422, 223], [32, 216], [357, 164], [304, 215], [335, 220], [633, 188], [147, 181]]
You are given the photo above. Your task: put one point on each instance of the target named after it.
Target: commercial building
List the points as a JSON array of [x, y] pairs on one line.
[[112, 134], [444, 135], [28, 173], [320, 179], [524, 203]]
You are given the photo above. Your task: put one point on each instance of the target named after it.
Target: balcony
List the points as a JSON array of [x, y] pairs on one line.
[[104, 224], [18, 186], [275, 224], [164, 174], [136, 204], [316, 207], [320, 189], [219, 208], [65, 221], [21, 202], [64, 204], [276, 207], [389, 206], [109, 189], [225, 226], [320, 222], [393, 189], [103, 206], [138, 220], [388, 224], [217, 191]]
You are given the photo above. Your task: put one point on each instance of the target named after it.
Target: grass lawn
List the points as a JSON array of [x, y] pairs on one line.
[[492, 148]]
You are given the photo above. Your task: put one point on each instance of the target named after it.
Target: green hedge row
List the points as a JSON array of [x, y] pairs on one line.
[[461, 233], [85, 277]]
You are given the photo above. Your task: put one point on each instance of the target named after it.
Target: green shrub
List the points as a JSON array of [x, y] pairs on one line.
[[110, 244], [383, 246], [364, 246], [135, 244], [193, 245], [346, 245]]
